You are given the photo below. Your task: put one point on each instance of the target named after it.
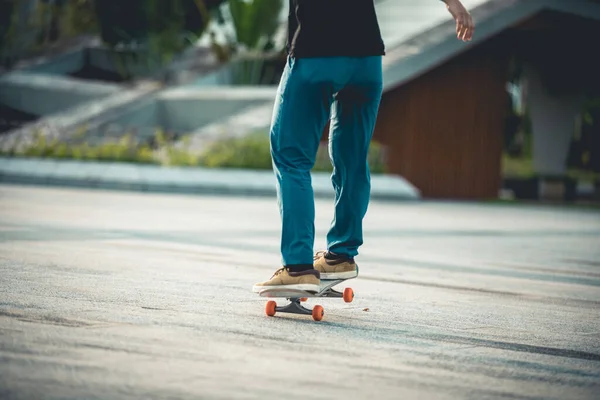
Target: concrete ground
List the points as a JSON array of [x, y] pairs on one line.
[[116, 295]]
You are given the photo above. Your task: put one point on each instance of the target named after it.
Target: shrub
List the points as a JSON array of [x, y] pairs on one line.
[[251, 151], [247, 152]]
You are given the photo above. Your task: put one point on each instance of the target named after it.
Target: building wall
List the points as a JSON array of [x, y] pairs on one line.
[[444, 129]]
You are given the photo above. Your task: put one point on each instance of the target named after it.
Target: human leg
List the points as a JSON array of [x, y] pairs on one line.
[[302, 108], [354, 113]]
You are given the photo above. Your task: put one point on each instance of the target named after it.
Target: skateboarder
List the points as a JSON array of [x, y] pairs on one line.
[[333, 72]]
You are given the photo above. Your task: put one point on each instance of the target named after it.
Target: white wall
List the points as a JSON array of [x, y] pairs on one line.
[[553, 123], [47, 94]]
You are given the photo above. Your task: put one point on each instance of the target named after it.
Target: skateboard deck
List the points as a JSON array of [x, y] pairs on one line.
[[325, 290], [296, 297]]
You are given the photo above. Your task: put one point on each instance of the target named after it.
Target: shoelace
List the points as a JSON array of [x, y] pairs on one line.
[[319, 254], [278, 272]]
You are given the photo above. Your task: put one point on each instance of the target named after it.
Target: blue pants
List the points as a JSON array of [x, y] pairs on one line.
[[346, 90]]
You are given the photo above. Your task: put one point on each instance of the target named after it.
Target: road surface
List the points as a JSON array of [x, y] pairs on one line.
[[116, 295]]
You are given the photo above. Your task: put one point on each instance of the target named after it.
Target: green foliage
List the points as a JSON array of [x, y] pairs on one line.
[[79, 16], [247, 152], [591, 106], [62, 19], [584, 150], [10, 46], [163, 28], [255, 21], [6, 23], [135, 21], [522, 167], [375, 158], [121, 150], [251, 151], [121, 21]]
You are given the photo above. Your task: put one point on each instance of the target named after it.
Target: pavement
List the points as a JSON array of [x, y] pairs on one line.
[[124, 295], [157, 179]]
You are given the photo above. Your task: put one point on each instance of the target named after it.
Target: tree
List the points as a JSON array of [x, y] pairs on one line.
[[165, 27], [160, 28], [7, 8]]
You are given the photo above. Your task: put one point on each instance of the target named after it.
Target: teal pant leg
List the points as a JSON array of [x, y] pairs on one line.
[[302, 109], [354, 113]]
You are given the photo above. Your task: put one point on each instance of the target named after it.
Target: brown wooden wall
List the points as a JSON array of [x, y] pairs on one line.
[[444, 129]]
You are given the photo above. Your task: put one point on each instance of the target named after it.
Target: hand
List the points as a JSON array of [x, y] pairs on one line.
[[464, 22]]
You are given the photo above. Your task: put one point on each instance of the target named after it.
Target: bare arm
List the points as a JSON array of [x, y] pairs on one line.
[[464, 23]]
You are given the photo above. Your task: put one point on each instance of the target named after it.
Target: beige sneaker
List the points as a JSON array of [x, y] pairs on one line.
[[335, 269], [284, 279]]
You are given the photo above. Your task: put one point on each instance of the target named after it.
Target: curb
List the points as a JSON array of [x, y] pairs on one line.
[[192, 181]]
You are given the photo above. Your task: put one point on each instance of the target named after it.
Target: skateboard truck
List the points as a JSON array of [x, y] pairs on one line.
[[294, 307]]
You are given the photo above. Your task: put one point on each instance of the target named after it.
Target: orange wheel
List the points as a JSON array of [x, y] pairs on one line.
[[318, 313], [270, 308], [303, 299], [348, 295]]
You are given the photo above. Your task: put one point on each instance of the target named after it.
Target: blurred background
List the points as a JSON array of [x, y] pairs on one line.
[[512, 115]]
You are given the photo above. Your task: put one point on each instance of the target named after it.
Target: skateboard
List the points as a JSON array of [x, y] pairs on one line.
[[297, 297]]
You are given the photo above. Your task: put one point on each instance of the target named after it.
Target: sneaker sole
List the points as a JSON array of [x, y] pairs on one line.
[[306, 287], [330, 276]]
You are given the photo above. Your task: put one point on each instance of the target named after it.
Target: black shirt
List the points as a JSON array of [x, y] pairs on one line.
[[329, 28]]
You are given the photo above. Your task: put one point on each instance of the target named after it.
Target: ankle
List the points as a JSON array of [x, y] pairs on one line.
[[330, 255], [299, 267]]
